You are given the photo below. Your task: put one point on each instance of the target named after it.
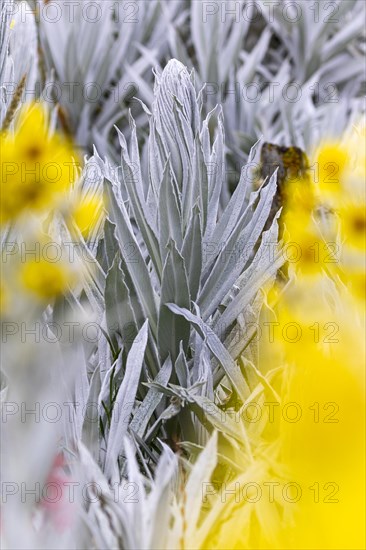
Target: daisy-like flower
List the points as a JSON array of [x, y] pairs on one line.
[[306, 250], [44, 279], [352, 215], [37, 168], [331, 163]]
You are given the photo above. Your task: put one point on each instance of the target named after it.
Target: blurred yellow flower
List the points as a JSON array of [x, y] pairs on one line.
[[311, 493], [353, 223], [249, 511], [331, 162], [305, 249], [87, 213], [319, 449], [36, 168], [355, 280], [299, 195], [325, 448], [45, 279]]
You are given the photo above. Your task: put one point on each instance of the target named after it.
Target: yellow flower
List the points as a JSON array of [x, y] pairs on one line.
[[322, 426], [248, 512], [325, 447], [36, 168], [356, 283], [353, 224], [331, 163], [305, 249], [299, 195], [87, 213], [356, 145], [44, 279]]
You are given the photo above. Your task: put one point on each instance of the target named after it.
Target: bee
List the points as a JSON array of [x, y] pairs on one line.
[[292, 164]]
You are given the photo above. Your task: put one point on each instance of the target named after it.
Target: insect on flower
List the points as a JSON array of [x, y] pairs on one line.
[[293, 185]]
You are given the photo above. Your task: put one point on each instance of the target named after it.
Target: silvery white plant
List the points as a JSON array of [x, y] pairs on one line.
[[316, 52], [18, 57], [177, 259], [101, 56], [99, 61], [169, 321]]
